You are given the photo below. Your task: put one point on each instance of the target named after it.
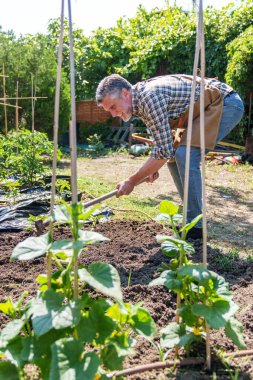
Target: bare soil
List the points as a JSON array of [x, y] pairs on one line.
[[133, 250]]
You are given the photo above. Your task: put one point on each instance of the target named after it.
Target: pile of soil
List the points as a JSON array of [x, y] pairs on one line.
[[134, 252]]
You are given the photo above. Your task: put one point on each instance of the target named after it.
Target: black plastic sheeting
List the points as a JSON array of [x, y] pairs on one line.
[[33, 201], [14, 217]]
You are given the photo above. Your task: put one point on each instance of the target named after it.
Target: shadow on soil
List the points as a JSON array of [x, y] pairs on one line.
[[235, 270], [230, 193], [153, 202]]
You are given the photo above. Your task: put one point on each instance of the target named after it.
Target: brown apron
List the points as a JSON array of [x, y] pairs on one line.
[[213, 106]]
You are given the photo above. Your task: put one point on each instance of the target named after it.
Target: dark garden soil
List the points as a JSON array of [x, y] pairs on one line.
[[133, 250]]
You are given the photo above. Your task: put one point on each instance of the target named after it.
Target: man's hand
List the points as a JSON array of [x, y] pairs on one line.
[[124, 188], [152, 177]]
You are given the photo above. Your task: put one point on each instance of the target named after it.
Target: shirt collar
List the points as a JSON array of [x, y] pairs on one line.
[[134, 100]]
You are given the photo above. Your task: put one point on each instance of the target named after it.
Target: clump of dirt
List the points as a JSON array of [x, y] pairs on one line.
[[134, 252]]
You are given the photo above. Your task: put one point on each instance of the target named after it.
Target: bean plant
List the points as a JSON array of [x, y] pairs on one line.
[[22, 156], [64, 334], [205, 295]]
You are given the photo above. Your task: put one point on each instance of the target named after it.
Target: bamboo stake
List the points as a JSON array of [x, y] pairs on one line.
[[16, 113], [188, 147], [5, 108], [189, 128], [73, 137], [56, 127], [10, 105], [250, 106], [32, 97], [202, 149], [26, 97]]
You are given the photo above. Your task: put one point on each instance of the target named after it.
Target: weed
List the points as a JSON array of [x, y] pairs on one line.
[[227, 261], [249, 259]]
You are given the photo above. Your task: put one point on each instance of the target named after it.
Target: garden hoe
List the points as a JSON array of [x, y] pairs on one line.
[[40, 225]]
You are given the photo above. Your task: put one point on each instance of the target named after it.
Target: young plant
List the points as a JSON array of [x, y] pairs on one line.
[[23, 154], [205, 296], [64, 334]]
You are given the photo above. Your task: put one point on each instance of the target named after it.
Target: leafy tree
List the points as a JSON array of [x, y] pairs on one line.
[[240, 67]]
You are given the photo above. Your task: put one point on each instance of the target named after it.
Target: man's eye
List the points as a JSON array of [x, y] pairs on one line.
[[112, 107]]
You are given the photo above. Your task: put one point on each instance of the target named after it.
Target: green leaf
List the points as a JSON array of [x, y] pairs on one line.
[[170, 249], [111, 358], [68, 364], [8, 371], [163, 218], [50, 313], [86, 328], [216, 314], [170, 335], [233, 330], [61, 214], [177, 219], [10, 331], [167, 207], [103, 277], [123, 343], [66, 246], [31, 248], [7, 307], [12, 351], [187, 316], [190, 225], [188, 248], [196, 272], [188, 339], [91, 237], [168, 279], [143, 323], [221, 286]]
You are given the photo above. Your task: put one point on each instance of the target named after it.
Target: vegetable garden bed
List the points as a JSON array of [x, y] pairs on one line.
[[134, 252]]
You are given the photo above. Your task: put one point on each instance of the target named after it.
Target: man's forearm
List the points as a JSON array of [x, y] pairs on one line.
[[151, 166]]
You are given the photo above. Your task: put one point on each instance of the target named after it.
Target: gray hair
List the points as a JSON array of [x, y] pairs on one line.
[[111, 85]]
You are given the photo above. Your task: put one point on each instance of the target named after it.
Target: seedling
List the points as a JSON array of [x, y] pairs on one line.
[[205, 296]]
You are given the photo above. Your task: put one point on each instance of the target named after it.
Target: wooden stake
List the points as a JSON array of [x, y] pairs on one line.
[[26, 97], [73, 138], [56, 127], [32, 97], [203, 173], [16, 114], [5, 108], [9, 105], [250, 105]]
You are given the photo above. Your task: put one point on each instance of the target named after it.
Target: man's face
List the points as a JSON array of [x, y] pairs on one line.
[[119, 106]]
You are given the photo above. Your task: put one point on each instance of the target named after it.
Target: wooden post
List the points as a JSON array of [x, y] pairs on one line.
[[32, 106], [250, 105], [5, 107], [16, 114]]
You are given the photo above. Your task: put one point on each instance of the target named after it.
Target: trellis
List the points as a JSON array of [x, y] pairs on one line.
[[33, 97]]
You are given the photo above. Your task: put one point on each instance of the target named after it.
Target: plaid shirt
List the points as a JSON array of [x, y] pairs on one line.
[[159, 99]]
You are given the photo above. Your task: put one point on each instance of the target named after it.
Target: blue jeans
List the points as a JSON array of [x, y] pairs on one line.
[[232, 114]]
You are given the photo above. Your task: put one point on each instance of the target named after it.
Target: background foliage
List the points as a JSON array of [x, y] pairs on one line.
[[151, 43]]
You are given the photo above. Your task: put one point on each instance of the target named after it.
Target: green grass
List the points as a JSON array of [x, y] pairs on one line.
[[227, 261], [127, 207]]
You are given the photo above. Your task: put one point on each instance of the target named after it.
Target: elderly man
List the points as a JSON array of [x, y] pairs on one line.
[[162, 103]]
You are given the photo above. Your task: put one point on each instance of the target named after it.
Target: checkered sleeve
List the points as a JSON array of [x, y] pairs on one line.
[[155, 110]]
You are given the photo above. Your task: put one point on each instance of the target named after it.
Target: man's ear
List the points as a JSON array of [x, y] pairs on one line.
[[124, 92]]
